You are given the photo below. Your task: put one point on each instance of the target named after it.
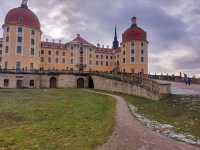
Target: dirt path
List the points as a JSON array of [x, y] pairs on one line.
[[130, 134]]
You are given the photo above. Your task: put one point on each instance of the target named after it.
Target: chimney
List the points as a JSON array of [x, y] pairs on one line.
[[60, 41], [102, 46], [78, 35], [108, 46], [53, 41], [98, 45], [47, 40]]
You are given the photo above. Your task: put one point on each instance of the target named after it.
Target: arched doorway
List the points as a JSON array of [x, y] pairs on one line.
[[90, 83], [53, 82], [80, 83]]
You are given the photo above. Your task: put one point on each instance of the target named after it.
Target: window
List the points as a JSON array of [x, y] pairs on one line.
[[32, 83], [31, 66], [0, 59], [6, 65], [20, 20], [132, 59], [81, 50], [142, 51], [57, 60], [20, 29], [124, 60], [1, 46], [124, 53], [90, 50], [49, 60], [42, 52], [32, 32], [111, 57], [90, 62], [106, 63], [97, 63], [6, 83], [19, 49], [132, 51], [72, 54], [81, 60], [90, 56], [106, 57], [6, 49], [19, 39], [102, 63], [49, 52], [63, 53], [133, 44], [97, 56], [7, 39], [57, 53], [72, 47], [142, 44], [0, 52], [32, 51], [101, 56], [142, 59], [72, 61], [63, 60], [18, 65], [32, 42], [42, 59]]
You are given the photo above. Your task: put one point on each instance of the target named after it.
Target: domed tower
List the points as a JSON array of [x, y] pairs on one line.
[[21, 39], [134, 50]]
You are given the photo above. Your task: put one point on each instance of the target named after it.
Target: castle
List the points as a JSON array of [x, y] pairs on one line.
[[21, 48]]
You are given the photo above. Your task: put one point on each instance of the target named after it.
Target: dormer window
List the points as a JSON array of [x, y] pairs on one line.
[[20, 20]]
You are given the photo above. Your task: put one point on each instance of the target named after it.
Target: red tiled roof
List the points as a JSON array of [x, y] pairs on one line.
[[80, 40], [22, 16], [134, 33], [53, 45]]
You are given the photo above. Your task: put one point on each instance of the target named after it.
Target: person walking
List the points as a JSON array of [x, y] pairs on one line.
[[185, 79], [189, 81]]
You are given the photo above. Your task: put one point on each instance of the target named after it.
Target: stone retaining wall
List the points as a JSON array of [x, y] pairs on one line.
[[70, 81]]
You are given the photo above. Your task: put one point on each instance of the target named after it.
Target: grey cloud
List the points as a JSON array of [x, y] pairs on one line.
[[170, 24]]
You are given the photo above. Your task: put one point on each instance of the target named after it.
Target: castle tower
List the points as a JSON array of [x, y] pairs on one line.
[[115, 42], [21, 39], [134, 49]]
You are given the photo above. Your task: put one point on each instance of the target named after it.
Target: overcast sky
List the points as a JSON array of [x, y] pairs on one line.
[[173, 26]]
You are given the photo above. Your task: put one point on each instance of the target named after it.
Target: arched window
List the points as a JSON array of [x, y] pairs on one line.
[[32, 83], [6, 83]]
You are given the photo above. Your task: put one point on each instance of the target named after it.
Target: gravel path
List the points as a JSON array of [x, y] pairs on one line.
[[130, 134]]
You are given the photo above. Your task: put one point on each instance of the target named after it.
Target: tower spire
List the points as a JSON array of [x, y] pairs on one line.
[[24, 4], [115, 42]]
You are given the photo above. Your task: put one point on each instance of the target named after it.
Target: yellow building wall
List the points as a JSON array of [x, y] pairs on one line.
[[137, 66], [25, 57]]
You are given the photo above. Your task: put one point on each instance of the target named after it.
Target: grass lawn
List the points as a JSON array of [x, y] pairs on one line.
[[182, 112], [62, 119]]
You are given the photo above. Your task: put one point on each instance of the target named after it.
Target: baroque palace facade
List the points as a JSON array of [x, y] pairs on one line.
[[21, 48]]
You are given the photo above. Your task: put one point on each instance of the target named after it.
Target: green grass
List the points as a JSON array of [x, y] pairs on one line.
[[59, 119], [181, 111]]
